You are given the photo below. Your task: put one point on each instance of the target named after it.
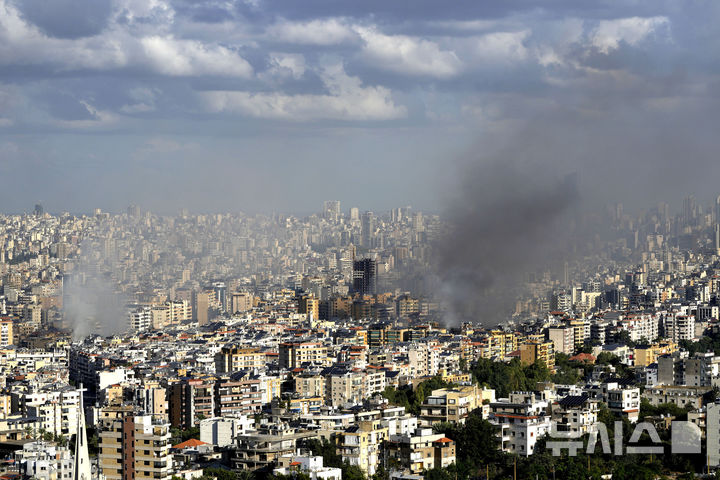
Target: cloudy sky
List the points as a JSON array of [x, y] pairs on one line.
[[258, 105]]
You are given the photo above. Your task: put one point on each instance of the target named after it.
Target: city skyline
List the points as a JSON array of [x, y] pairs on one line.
[[336, 240]]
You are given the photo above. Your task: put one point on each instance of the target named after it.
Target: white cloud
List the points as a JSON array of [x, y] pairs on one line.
[[172, 56], [408, 55], [330, 31], [22, 43], [347, 99], [501, 46], [609, 34], [284, 65]]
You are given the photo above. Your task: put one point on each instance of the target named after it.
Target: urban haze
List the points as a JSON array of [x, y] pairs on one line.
[[333, 240]]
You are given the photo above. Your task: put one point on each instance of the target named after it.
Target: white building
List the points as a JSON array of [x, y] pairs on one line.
[[57, 411], [312, 466], [44, 461], [521, 420], [221, 431], [712, 429], [677, 327], [640, 326]]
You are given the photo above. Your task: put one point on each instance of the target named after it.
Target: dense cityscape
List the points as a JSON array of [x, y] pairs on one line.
[[378, 240], [235, 346]]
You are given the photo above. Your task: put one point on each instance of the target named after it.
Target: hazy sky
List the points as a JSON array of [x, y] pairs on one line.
[[260, 105]]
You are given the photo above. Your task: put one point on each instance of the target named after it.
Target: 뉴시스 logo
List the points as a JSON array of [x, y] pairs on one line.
[[685, 438]]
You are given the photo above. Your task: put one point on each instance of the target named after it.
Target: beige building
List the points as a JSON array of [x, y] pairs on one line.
[[232, 359], [648, 355], [294, 354], [361, 444], [153, 399], [6, 333], [420, 451], [537, 350], [309, 305], [240, 302], [563, 339], [201, 307], [498, 344], [134, 446], [342, 388], [310, 386], [453, 404]]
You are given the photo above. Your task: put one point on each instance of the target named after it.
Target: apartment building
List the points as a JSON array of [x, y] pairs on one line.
[[56, 410], [520, 420], [420, 451], [343, 387], [237, 397], [452, 404], [190, 400], [294, 354], [361, 444], [232, 359], [134, 446], [538, 350], [498, 344], [563, 339], [44, 461], [259, 449], [577, 414]]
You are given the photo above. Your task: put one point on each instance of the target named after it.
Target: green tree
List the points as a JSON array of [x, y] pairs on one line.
[[352, 472]]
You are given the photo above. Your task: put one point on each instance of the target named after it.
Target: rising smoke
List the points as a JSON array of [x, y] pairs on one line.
[[505, 219], [90, 302]]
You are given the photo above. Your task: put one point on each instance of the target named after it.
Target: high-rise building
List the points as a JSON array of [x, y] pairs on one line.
[[134, 446], [365, 276], [201, 305], [294, 354], [6, 333], [354, 214], [240, 302], [367, 229], [713, 434], [38, 210], [331, 210], [190, 400], [309, 305], [133, 211], [563, 339], [221, 294]]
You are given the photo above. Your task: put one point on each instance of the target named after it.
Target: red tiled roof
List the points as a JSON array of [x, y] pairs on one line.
[[583, 357], [191, 443]]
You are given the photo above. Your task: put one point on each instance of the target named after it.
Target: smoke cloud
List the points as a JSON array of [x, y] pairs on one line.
[[91, 304], [505, 219]]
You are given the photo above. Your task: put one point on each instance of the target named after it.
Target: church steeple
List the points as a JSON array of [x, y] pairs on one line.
[[81, 467]]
